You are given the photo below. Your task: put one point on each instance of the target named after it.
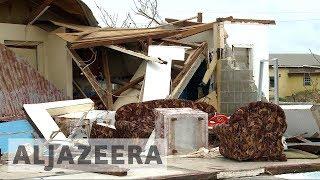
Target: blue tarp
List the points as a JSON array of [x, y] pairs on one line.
[[16, 129]]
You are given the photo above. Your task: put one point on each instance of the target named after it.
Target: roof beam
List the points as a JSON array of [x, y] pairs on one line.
[[128, 86], [103, 95], [183, 78], [135, 54], [36, 13]]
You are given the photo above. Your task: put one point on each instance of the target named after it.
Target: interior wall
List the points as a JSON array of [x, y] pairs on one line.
[[255, 36], [59, 65], [53, 61]]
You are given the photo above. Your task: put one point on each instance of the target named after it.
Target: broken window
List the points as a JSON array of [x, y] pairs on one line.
[[307, 80], [272, 81]]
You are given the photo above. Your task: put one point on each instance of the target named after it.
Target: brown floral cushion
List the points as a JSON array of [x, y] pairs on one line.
[[254, 132]]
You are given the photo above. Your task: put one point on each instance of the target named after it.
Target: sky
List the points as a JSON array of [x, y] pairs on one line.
[[298, 21]]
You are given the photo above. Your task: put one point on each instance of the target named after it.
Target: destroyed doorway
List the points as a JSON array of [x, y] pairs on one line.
[[27, 50]]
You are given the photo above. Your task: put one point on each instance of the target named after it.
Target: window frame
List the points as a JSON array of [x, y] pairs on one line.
[[307, 79]]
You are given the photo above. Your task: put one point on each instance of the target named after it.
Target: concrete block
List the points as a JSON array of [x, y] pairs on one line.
[[227, 96], [224, 108], [184, 129]]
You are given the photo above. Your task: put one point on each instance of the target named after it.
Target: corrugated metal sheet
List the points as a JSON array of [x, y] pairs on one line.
[[21, 84]]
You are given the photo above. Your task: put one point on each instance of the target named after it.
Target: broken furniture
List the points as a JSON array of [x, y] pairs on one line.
[[185, 130], [254, 132], [68, 122], [137, 120], [41, 116], [302, 120]]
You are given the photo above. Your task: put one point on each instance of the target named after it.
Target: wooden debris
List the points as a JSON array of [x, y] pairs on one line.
[[92, 80], [40, 115], [35, 14], [237, 20], [135, 54], [128, 86], [182, 23], [107, 77], [76, 27], [211, 99], [177, 42], [193, 62], [192, 30], [209, 72], [293, 168], [93, 41]]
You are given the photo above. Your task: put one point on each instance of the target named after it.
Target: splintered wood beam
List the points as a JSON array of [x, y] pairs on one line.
[[129, 85], [122, 39], [107, 77], [181, 23], [219, 40], [177, 42], [191, 60], [210, 70], [90, 77], [183, 78], [193, 30], [35, 14], [136, 54]]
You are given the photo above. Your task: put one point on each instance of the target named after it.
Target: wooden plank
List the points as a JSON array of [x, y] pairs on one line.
[[190, 61], [177, 22], [192, 30], [35, 14], [218, 31], [177, 42], [181, 23], [292, 168], [210, 70], [211, 99], [136, 54], [76, 27], [107, 77], [131, 95], [121, 39], [183, 78], [129, 85], [92, 80]]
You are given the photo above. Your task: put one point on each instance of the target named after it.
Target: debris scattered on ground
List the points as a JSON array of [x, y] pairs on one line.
[[203, 153]]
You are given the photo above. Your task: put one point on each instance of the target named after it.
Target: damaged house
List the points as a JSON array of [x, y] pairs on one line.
[[72, 79], [57, 52], [35, 65]]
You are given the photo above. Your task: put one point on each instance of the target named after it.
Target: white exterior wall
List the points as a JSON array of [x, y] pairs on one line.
[[53, 61], [253, 36]]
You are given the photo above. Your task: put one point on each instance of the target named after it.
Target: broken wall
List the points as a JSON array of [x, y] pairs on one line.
[[255, 37]]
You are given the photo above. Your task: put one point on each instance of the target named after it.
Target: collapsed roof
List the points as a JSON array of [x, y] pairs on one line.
[[43, 11]]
